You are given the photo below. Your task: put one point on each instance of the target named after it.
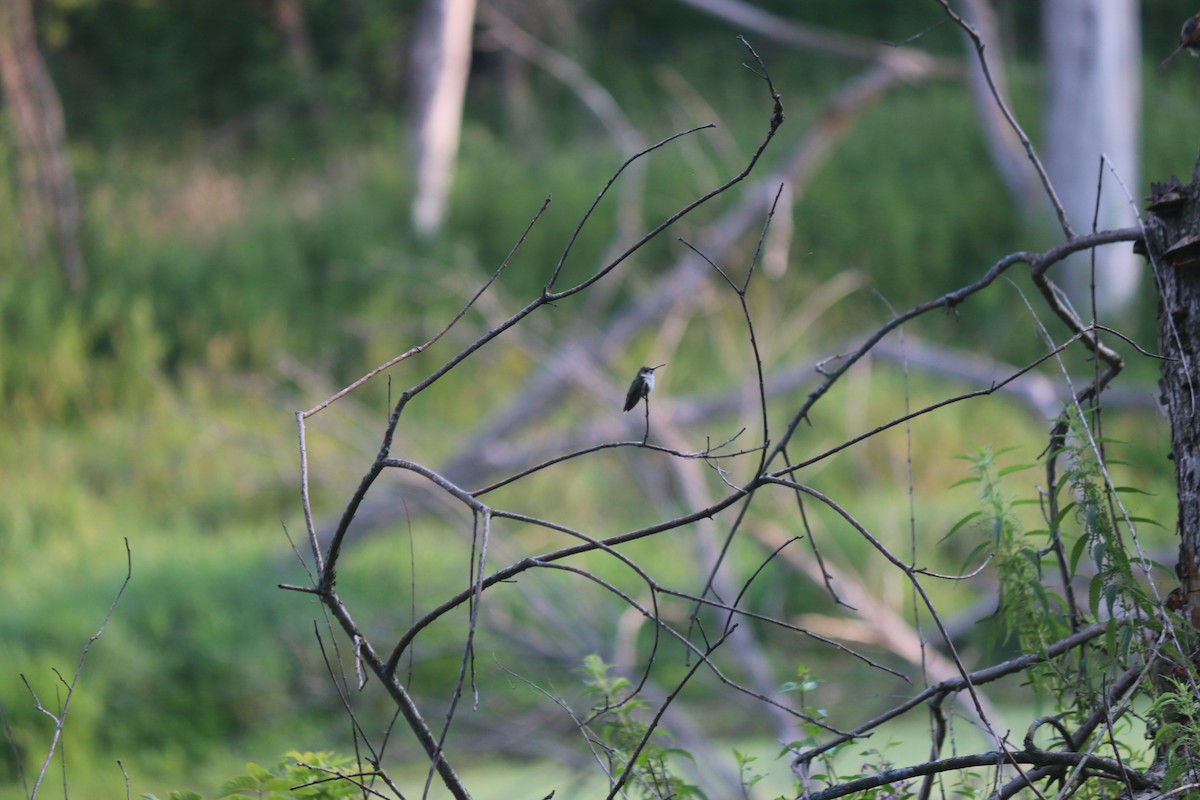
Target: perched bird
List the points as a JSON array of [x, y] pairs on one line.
[[1189, 39], [641, 386]]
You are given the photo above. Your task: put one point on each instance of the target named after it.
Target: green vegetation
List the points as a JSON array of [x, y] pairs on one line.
[[316, 776], [236, 278]]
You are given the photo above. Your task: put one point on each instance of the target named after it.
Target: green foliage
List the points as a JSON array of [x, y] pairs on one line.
[[746, 771], [316, 776], [1177, 734], [1027, 610], [627, 743], [871, 761], [1084, 538]]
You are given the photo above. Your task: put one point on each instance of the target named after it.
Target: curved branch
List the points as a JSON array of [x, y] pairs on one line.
[[1102, 767]]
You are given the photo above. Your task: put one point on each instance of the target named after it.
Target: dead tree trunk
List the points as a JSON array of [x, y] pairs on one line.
[[441, 60], [1091, 49], [48, 195], [1173, 246], [1173, 242]]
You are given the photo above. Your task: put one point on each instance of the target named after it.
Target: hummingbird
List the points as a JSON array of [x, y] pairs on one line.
[[641, 386], [1189, 39]]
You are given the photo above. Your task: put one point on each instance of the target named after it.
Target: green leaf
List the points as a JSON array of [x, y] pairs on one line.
[[260, 773], [1062, 513], [1123, 640], [958, 525], [1111, 592], [1077, 553], [1016, 468], [1095, 586], [1031, 555], [982, 547], [237, 785]]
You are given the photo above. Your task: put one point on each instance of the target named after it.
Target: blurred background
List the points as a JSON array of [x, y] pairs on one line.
[[224, 225]]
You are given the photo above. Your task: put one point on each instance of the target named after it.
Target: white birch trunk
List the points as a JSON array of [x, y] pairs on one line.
[[1093, 98], [441, 63]]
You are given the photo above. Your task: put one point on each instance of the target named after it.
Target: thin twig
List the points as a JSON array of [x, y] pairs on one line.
[[60, 719]]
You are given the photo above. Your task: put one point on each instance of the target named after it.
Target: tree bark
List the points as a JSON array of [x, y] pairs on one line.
[[1173, 247], [441, 60], [47, 185], [1093, 92], [1173, 242]]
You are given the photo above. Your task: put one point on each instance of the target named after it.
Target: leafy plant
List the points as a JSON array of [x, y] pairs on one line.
[[315, 776], [628, 744], [1178, 731], [1026, 609]]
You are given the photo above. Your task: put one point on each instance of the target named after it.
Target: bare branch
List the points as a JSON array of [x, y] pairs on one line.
[[60, 718]]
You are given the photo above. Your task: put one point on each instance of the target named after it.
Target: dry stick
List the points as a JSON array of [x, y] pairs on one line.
[[336, 776], [468, 656], [1102, 713], [360, 735], [954, 685], [646, 435], [482, 515], [708, 454], [1105, 767], [60, 719], [400, 696]]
